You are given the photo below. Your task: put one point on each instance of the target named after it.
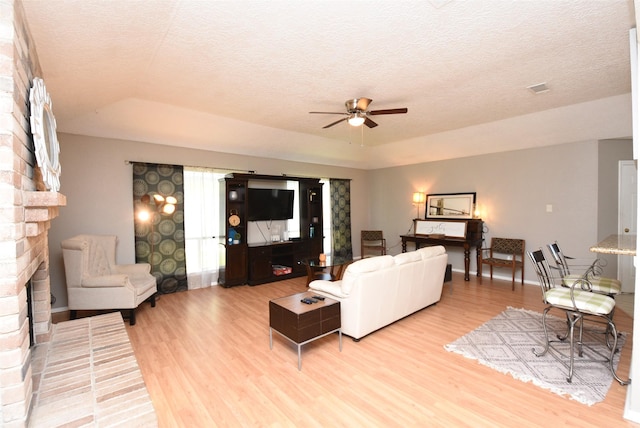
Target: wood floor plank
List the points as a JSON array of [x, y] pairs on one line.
[[205, 358]]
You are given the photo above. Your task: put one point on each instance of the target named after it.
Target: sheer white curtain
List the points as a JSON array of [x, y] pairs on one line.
[[201, 226], [326, 216]]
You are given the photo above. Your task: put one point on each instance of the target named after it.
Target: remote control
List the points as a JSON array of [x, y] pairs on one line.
[[318, 297]]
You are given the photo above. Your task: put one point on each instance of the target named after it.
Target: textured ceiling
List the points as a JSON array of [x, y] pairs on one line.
[[241, 76]]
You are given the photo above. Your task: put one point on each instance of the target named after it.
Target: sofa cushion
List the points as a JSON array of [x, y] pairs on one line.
[[403, 258], [369, 264], [429, 252]]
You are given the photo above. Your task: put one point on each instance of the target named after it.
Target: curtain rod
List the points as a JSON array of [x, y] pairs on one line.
[[313, 176], [129, 162], [248, 171]]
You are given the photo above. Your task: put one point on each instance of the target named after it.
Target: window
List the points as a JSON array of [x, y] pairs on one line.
[[326, 215], [201, 226]]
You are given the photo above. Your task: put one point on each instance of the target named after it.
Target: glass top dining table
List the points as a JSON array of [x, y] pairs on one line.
[[317, 269]]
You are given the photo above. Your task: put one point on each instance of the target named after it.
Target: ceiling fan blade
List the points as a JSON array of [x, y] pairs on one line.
[[327, 112], [370, 123], [334, 123], [363, 103], [389, 111]]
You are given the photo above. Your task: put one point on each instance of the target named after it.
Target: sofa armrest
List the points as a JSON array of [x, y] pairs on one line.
[[333, 288], [105, 281], [133, 269]]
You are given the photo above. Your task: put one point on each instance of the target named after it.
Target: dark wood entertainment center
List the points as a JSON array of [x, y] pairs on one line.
[[254, 263]]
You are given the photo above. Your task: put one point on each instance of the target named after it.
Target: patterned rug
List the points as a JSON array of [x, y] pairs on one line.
[[504, 343]]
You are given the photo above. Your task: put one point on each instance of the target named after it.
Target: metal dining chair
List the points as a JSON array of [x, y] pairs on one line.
[[577, 302]]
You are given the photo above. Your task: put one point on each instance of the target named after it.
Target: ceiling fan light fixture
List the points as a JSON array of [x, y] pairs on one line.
[[358, 113], [356, 119]]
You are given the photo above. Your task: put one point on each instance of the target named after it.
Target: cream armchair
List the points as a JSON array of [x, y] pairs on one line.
[[96, 282]]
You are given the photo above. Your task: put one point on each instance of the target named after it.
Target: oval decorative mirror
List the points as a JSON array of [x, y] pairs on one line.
[[45, 138]]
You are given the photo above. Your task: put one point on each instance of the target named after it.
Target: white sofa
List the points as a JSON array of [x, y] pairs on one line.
[[374, 292]]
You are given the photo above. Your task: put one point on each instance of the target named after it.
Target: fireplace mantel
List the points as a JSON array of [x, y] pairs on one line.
[[40, 209]]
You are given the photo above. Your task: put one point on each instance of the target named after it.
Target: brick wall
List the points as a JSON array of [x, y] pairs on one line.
[[25, 215]]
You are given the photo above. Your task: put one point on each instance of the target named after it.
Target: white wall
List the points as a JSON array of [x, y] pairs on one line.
[[513, 190], [98, 185]]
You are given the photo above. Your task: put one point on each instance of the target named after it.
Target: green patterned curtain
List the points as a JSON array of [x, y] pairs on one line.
[[159, 240], [341, 217]]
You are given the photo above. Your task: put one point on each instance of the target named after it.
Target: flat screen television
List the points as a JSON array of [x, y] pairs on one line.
[[269, 204]]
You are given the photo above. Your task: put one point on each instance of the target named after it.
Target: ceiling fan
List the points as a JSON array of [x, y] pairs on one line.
[[357, 113]]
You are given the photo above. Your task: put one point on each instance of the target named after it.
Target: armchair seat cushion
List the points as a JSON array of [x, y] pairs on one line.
[[585, 301], [503, 262], [117, 280], [600, 285]]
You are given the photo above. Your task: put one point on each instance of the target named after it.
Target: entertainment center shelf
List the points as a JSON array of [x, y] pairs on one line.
[[263, 258], [259, 263]]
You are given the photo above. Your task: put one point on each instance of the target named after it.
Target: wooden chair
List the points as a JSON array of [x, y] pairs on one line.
[[505, 252], [372, 241]]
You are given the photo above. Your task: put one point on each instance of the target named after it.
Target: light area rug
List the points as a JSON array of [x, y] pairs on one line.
[[504, 343]]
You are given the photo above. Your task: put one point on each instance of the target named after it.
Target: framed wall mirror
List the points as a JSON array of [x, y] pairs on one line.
[[450, 205], [45, 138]]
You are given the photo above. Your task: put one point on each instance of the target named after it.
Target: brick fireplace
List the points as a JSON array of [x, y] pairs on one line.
[[26, 212], [24, 259]]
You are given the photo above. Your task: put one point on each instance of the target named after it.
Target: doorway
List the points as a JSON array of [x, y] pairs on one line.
[[627, 206]]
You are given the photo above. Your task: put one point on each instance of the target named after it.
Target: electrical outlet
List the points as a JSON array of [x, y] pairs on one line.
[[549, 208]]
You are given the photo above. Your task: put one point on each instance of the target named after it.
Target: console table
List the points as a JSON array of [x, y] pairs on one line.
[[473, 238]]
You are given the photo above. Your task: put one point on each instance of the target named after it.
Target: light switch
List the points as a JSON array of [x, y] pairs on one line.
[[549, 208]]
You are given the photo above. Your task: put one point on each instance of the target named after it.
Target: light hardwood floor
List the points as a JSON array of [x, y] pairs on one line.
[[205, 358]]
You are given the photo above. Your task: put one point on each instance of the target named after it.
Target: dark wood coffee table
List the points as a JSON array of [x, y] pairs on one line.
[[301, 323]]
